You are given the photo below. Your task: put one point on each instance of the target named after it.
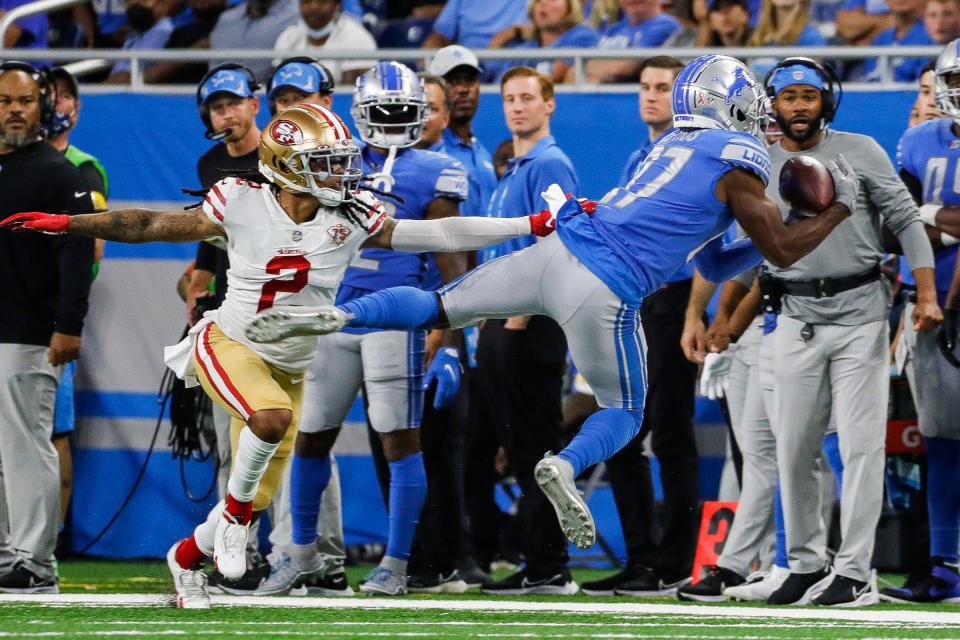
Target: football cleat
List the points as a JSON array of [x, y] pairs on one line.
[[759, 586], [524, 582], [275, 325], [555, 477], [191, 584], [383, 582], [331, 584], [230, 547], [711, 586], [289, 574]]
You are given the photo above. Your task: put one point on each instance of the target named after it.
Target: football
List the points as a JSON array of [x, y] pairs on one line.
[[806, 185]]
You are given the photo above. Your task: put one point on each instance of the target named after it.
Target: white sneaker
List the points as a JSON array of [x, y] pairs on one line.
[[274, 325], [230, 547], [555, 477], [288, 574], [191, 585], [758, 586]]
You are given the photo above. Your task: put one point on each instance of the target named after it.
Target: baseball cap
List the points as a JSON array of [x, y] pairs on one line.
[[451, 57], [716, 5], [232, 81], [303, 76], [59, 73], [794, 74]]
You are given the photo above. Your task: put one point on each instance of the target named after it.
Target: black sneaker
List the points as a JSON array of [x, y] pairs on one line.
[[437, 582], [331, 584], [941, 584], [799, 588], [847, 592], [606, 586], [471, 573], [651, 585], [523, 582], [21, 580], [711, 586], [258, 570]]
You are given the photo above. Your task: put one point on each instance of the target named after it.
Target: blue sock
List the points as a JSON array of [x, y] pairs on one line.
[[831, 449], [394, 308], [308, 478], [408, 490], [780, 551], [602, 435], [943, 497]]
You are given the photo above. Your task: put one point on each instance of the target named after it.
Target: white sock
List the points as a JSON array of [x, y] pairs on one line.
[[249, 465], [205, 531]]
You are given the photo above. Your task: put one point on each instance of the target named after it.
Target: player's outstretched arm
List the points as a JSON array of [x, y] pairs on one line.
[[760, 218], [458, 234], [122, 225]]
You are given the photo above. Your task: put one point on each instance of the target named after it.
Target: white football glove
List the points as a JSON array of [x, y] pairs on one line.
[[713, 379], [846, 185]]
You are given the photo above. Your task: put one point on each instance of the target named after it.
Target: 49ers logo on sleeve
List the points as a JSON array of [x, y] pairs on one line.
[[286, 133], [339, 233]]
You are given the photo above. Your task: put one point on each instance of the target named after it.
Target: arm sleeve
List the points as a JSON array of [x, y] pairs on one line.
[[74, 255], [718, 262], [456, 234]]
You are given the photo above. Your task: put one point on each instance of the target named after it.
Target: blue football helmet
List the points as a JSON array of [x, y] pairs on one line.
[[389, 106], [946, 84], [720, 92]]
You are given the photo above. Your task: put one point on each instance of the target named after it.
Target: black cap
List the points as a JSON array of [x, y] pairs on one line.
[[59, 73]]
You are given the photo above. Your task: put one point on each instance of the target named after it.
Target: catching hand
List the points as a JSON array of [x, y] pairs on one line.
[[445, 369], [53, 224]]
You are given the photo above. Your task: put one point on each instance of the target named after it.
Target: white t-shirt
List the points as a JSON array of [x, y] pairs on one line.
[[347, 33]]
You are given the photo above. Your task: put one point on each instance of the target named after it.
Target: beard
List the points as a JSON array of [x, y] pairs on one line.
[[19, 138], [814, 126]]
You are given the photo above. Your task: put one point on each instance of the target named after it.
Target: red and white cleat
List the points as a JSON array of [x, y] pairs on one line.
[[191, 584], [230, 547]]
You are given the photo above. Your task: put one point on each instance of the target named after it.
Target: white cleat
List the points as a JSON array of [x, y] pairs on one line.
[[191, 584], [230, 547], [274, 325], [555, 477]]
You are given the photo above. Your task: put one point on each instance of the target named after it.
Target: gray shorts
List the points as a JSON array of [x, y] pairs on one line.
[[934, 382], [603, 333], [387, 364]]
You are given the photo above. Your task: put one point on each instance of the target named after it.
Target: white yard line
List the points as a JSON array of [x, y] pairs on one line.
[[902, 616]]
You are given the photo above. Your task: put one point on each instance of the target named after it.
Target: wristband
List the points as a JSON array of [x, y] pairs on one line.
[[928, 214]]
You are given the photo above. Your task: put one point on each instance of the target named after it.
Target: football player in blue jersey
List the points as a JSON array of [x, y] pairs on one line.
[[604, 260], [929, 157], [389, 109]]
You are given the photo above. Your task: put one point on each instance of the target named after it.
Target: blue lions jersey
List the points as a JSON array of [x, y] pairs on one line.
[[419, 177], [930, 152], [643, 232]]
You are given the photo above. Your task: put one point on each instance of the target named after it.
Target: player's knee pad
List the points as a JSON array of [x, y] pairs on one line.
[[385, 418]]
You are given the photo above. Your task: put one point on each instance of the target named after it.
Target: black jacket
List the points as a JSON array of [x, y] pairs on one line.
[[44, 279]]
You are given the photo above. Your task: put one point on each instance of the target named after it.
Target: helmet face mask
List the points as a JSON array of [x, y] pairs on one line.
[[720, 92], [389, 106], [946, 83], [307, 149]]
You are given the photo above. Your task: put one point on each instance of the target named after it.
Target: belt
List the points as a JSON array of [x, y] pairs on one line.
[[828, 287]]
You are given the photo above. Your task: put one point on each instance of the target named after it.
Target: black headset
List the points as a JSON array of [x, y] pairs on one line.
[[326, 78], [42, 79], [830, 96], [204, 110]]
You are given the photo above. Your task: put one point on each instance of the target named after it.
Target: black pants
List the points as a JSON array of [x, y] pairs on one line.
[[668, 417], [518, 382]]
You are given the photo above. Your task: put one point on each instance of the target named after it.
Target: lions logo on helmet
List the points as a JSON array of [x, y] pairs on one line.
[[389, 106], [308, 149], [946, 83], [719, 92]]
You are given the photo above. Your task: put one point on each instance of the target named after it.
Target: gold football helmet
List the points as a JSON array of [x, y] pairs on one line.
[[308, 149]]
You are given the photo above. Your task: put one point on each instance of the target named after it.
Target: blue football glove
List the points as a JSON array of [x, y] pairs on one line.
[[445, 369]]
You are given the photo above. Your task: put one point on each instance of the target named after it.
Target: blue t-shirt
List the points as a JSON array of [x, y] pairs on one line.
[[153, 38], [904, 69], [579, 36], [34, 34], [870, 7], [642, 233], [518, 192], [419, 177], [931, 153], [479, 164], [473, 22], [629, 170], [650, 33]]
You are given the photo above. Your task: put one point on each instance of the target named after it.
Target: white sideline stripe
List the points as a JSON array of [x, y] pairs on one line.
[[902, 616]]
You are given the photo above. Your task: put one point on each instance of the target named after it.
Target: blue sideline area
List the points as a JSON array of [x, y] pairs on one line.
[[149, 145]]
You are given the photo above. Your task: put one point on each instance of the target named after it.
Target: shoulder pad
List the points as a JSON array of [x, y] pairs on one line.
[[746, 152]]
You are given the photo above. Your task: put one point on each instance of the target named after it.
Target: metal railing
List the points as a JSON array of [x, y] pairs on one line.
[[91, 58], [30, 9]]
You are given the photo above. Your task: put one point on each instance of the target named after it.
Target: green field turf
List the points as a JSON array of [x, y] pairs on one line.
[[133, 599]]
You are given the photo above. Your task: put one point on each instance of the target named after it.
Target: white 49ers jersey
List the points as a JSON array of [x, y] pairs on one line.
[[278, 264]]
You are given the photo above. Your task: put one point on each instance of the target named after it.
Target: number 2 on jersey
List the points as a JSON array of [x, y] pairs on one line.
[[300, 266]]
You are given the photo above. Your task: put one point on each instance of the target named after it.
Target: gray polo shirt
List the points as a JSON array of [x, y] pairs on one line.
[[856, 244], [236, 30]]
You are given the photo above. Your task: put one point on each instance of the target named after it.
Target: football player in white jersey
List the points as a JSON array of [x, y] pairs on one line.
[[289, 244]]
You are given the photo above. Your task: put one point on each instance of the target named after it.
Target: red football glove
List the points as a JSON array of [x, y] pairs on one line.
[[35, 221], [588, 206], [543, 223]]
